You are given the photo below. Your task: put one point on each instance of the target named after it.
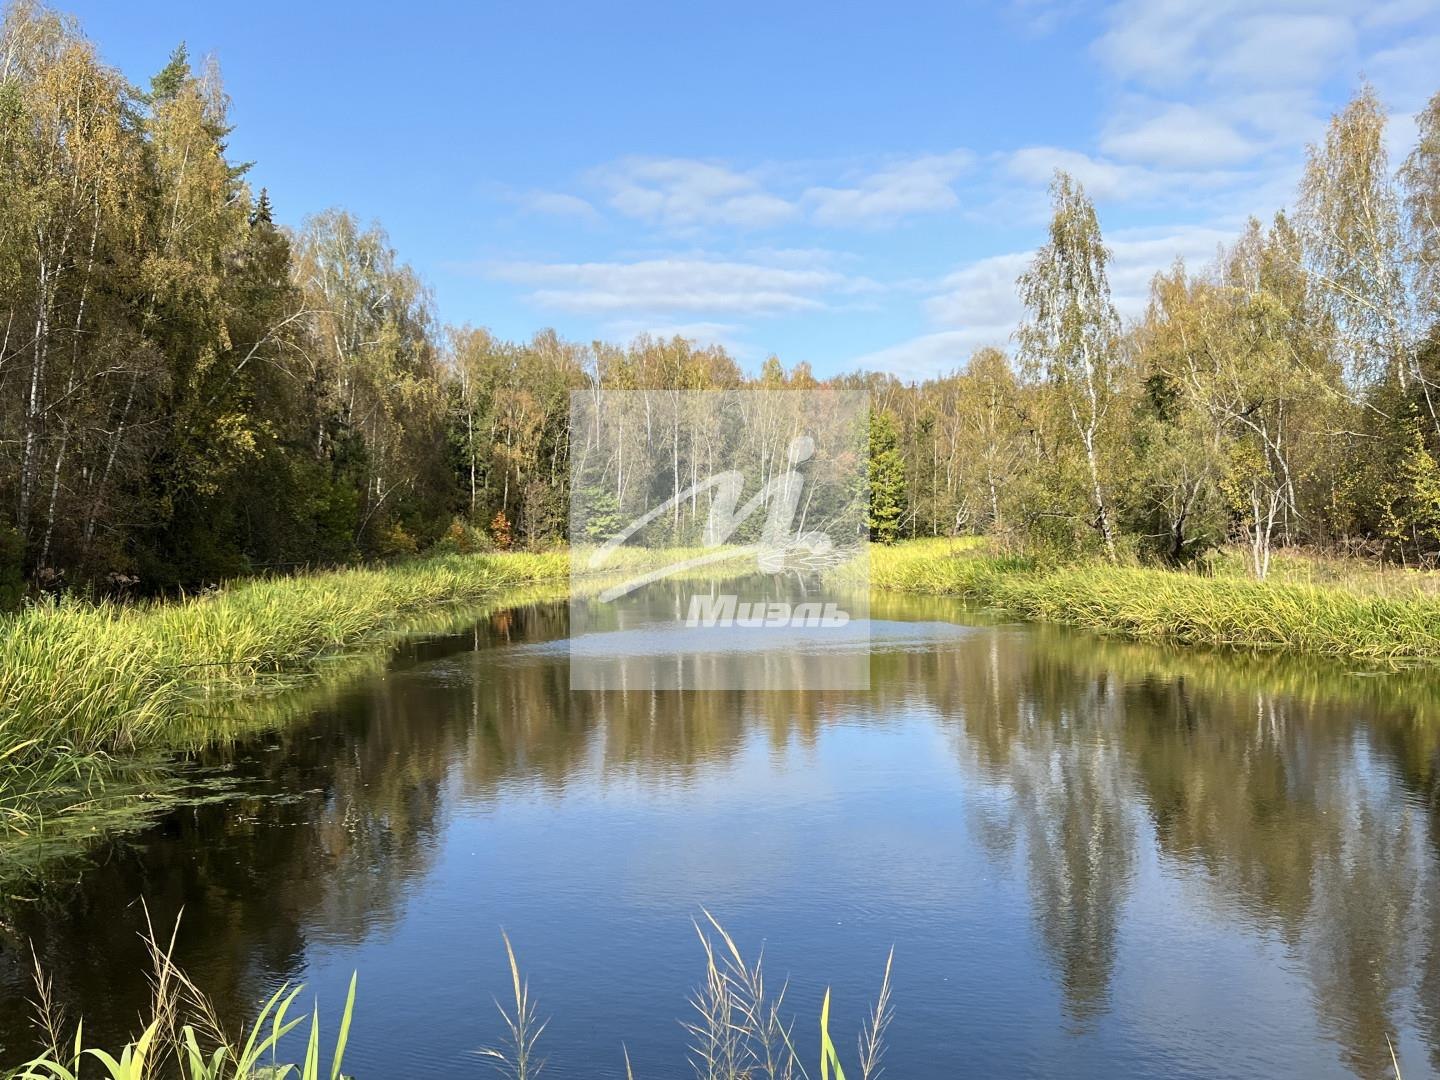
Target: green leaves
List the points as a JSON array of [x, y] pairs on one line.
[[887, 479], [146, 1057], [829, 1057]]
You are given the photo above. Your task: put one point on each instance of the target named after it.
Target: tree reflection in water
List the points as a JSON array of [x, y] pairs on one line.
[[1301, 799]]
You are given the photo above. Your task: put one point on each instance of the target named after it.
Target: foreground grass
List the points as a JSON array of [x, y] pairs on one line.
[[1360, 617], [738, 1030]]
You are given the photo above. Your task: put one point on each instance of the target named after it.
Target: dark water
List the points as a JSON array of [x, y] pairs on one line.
[[1092, 860]]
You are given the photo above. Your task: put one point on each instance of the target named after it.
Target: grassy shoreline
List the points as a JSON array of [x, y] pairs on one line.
[[1394, 622], [89, 692], [89, 677], [80, 678], [98, 699], [102, 677], [95, 698]]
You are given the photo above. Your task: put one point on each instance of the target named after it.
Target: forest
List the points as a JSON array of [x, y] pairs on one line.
[[191, 393]]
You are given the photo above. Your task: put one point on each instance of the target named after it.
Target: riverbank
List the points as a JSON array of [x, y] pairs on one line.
[[88, 689], [80, 678], [95, 699], [1317, 608]]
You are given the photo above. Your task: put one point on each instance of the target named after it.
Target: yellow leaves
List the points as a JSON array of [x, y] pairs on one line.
[[1245, 466], [200, 218], [232, 442], [67, 142]]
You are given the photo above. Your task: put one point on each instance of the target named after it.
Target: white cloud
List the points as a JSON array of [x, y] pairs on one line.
[[930, 355], [1278, 49], [1255, 77], [1101, 179], [681, 193], [1181, 136], [921, 185], [693, 285], [1399, 12], [1156, 43], [1280, 114], [1237, 43], [559, 204], [981, 296], [685, 195], [1408, 73]]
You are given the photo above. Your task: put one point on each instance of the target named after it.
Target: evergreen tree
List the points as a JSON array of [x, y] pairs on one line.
[[171, 79], [263, 214], [887, 479]]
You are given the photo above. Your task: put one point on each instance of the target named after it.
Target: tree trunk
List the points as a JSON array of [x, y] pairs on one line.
[[34, 403], [1102, 510]]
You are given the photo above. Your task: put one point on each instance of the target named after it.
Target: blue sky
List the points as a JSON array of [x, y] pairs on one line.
[[846, 184]]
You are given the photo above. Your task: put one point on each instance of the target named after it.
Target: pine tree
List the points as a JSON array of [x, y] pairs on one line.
[[169, 80], [263, 214], [887, 480]]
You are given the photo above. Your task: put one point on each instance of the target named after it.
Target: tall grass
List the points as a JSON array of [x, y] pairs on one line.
[[94, 696], [738, 1031], [86, 685], [1396, 625], [184, 1036], [104, 677]]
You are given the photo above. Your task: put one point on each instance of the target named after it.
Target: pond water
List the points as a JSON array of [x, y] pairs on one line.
[[1091, 859]]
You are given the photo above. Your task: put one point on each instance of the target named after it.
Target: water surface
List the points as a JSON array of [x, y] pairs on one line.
[[1092, 860]]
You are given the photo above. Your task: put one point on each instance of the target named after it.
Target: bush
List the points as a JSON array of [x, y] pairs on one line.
[[394, 541], [462, 538], [500, 531]]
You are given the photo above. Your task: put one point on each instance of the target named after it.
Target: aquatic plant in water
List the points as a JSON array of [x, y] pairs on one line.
[[738, 1030]]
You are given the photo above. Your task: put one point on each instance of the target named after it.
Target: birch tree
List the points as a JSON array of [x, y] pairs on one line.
[[1420, 179], [1350, 215], [68, 166], [1071, 330]]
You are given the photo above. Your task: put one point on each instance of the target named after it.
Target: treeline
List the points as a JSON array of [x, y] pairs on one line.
[[189, 392], [1285, 394]]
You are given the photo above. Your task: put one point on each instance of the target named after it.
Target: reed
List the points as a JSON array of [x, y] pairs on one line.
[[738, 1032], [183, 1035], [87, 689], [100, 677], [1395, 623]]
